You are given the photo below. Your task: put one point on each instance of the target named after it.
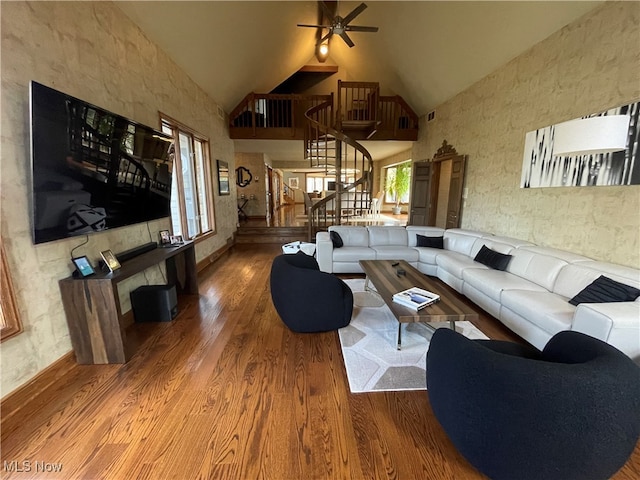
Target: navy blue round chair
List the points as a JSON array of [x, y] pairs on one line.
[[307, 299], [569, 412]]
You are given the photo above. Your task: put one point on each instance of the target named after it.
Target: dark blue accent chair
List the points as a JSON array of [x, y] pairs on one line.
[[569, 412], [307, 299]]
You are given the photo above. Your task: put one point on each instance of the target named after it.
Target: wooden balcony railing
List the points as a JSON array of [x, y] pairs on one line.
[[357, 105], [360, 111], [397, 119], [272, 116]]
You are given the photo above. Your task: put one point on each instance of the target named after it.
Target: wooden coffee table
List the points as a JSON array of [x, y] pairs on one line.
[[384, 276]]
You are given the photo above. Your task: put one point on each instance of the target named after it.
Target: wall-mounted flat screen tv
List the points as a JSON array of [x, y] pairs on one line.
[[92, 169]]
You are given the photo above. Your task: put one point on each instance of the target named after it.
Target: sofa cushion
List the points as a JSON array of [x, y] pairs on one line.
[[432, 242], [461, 241], [351, 236], [605, 290], [576, 276], [500, 244], [428, 255], [548, 311], [353, 254], [394, 252], [387, 236], [568, 257], [493, 282], [336, 239], [492, 259], [536, 267], [454, 263]]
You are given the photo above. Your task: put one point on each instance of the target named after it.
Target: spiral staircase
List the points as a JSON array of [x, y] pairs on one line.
[[331, 131], [328, 147]]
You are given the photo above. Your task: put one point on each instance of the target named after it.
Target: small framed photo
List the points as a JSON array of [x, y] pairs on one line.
[[110, 260], [223, 178], [165, 237], [176, 240], [83, 266]]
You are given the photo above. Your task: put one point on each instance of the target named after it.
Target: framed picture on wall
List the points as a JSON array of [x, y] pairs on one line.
[[293, 182], [223, 178]]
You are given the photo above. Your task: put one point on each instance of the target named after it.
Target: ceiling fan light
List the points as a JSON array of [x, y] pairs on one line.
[[322, 52]]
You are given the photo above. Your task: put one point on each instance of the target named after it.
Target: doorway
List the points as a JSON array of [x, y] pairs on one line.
[[436, 194]]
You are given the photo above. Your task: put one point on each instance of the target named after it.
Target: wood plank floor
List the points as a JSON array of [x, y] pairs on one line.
[[225, 391]]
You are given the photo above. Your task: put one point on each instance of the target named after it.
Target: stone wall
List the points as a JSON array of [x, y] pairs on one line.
[[91, 51], [587, 67]]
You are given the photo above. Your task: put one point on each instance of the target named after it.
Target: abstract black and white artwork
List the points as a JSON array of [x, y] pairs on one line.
[[598, 149]]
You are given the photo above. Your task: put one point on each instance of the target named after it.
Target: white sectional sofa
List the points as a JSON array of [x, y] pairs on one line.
[[531, 296]]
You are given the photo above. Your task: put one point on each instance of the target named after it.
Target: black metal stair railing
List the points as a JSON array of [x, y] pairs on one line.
[[342, 157]]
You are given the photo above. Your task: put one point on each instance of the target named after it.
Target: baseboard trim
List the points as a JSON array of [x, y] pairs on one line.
[[214, 256], [14, 401], [11, 403]]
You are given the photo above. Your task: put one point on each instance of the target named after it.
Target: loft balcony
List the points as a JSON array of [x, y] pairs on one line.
[[360, 112]]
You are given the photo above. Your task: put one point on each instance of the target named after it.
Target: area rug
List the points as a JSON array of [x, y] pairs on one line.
[[369, 342]]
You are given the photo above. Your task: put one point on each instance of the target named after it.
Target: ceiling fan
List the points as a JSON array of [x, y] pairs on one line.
[[340, 26]]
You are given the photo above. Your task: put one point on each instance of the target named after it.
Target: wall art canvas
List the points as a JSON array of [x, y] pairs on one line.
[[598, 149]]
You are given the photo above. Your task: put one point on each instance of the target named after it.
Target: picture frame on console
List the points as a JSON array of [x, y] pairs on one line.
[[110, 260], [165, 237]]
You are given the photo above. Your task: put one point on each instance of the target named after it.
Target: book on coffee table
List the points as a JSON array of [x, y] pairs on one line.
[[415, 298]]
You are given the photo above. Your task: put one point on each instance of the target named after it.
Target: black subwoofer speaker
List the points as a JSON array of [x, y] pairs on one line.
[[154, 303]]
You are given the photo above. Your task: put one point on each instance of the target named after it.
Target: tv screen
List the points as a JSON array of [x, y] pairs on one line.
[[92, 169]]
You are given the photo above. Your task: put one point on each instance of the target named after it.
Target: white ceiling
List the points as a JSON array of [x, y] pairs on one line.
[[425, 51]]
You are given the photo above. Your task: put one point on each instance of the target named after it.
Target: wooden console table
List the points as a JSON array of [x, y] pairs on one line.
[[92, 305]]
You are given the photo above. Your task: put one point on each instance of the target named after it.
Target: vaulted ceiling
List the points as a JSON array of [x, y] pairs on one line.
[[425, 51]]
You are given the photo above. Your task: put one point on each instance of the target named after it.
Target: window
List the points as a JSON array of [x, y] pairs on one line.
[[317, 184], [9, 320], [320, 183], [192, 212], [397, 181]]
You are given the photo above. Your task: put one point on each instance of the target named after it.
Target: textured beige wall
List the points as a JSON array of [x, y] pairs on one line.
[[91, 51], [587, 67], [255, 162]]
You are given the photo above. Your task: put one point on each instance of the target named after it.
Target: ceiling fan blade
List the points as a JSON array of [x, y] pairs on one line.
[[354, 13], [355, 28], [313, 26], [346, 39], [328, 13], [325, 37]]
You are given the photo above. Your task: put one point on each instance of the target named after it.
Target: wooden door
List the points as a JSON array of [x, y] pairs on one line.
[[421, 177], [454, 205], [434, 190], [269, 189]]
